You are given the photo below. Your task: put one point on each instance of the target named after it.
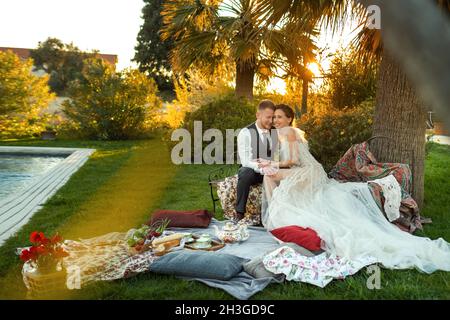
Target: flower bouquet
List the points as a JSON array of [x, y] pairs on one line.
[[43, 270], [140, 240]]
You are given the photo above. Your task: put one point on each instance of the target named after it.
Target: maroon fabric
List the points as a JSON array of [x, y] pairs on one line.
[[183, 219], [306, 238]]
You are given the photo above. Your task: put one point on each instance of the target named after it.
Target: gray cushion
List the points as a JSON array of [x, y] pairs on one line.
[[255, 267], [299, 249], [199, 264]]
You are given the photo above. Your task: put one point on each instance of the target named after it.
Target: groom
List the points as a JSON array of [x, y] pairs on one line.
[[255, 141]]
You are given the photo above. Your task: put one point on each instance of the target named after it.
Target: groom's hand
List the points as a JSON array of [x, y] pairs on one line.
[[262, 163]]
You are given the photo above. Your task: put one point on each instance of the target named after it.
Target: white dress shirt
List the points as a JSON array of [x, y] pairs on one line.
[[245, 147]]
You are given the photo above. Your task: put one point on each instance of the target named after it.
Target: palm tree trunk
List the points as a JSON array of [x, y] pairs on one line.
[[305, 86], [399, 115], [245, 74]]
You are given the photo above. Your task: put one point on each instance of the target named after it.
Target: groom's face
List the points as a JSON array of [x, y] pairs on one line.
[[265, 118]]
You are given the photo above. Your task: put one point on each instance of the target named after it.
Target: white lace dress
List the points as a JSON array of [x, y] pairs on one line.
[[346, 217]]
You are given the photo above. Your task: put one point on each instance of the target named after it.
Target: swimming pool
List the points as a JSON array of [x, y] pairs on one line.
[[29, 176], [17, 171]]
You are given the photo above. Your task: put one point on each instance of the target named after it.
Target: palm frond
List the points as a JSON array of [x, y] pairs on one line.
[[329, 13], [369, 46], [180, 16], [236, 27], [195, 47]]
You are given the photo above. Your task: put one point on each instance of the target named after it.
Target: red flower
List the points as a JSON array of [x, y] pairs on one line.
[[37, 237], [44, 250], [40, 250], [56, 239], [27, 255], [45, 241], [60, 253]]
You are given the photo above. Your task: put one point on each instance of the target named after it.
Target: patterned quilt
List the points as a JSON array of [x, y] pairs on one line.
[[359, 165]]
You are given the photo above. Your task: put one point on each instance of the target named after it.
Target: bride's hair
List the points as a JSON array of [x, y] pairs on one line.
[[287, 111]]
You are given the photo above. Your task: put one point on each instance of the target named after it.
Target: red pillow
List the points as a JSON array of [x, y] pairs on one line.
[[307, 238], [183, 219]]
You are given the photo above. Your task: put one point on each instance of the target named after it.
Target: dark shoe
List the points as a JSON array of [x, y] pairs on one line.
[[239, 216], [250, 222]]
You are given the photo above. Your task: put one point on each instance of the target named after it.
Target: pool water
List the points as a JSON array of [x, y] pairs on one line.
[[17, 171]]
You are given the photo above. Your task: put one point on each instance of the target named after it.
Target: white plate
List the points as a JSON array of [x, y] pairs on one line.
[[200, 246]]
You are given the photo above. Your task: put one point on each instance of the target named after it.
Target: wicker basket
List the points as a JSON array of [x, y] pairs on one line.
[[44, 285]]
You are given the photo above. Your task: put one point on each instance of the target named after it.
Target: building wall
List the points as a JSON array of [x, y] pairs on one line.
[[24, 54]]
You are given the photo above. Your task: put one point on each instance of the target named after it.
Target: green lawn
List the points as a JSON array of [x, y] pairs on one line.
[[124, 182]]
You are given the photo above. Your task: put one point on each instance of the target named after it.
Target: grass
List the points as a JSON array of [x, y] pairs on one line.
[[124, 182], [115, 190]]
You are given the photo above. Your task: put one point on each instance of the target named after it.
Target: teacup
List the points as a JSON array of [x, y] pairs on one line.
[[204, 241], [230, 226]]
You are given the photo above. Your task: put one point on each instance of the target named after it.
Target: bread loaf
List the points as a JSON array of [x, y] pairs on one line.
[[175, 236], [163, 248]]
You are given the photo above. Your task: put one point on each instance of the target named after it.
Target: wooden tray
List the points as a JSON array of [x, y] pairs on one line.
[[216, 245]]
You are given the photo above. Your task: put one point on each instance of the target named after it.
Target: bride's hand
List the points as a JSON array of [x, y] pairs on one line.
[[269, 171], [263, 165]]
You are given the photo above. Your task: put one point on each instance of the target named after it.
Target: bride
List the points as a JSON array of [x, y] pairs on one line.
[[344, 215]]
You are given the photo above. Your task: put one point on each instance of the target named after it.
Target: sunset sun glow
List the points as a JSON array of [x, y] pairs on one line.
[[314, 68]]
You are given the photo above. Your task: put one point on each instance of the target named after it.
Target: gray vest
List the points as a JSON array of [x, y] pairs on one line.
[[262, 149]]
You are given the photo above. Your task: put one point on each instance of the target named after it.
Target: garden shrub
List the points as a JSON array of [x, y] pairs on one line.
[[226, 112], [23, 98], [112, 105], [330, 134]]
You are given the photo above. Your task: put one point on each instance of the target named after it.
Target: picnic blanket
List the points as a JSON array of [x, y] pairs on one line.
[[107, 258], [359, 165], [243, 285]]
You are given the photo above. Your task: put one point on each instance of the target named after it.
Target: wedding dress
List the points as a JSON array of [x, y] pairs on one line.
[[344, 215]]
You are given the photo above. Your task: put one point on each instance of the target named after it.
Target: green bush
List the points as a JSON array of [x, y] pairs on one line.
[[111, 105], [226, 112], [330, 134], [23, 98], [350, 82]]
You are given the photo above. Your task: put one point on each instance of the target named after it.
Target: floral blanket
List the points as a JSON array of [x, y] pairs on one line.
[[359, 165], [318, 270]]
